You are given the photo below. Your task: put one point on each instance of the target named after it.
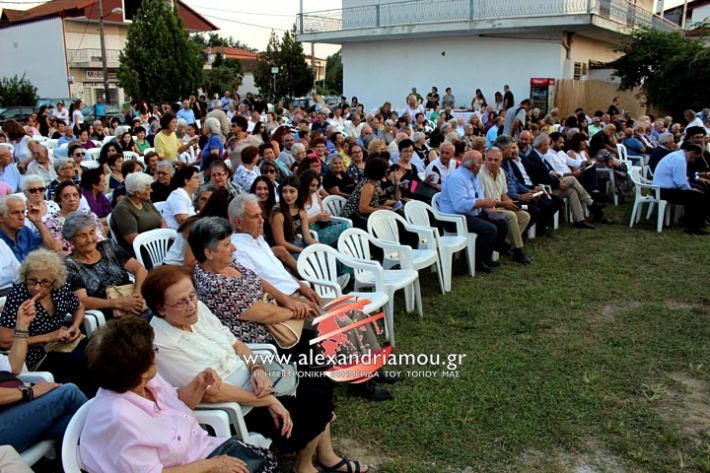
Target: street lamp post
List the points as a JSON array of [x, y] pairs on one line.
[[104, 66], [274, 72]]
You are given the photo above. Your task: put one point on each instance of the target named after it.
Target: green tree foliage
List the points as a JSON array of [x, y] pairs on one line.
[[334, 73], [17, 91], [215, 39], [226, 74], [670, 68], [159, 62], [295, 77]]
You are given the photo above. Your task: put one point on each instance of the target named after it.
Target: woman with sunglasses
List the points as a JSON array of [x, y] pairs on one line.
[[43, 281], [34, 189], [78, 155]]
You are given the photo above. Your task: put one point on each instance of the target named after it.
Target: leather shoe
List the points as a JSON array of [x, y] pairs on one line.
[[520, 257], [493, 264], [370, 391], [583, 224], [483, 268]]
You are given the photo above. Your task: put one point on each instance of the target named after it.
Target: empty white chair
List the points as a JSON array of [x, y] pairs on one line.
[[610, 183], [133, 155], [148, 150], [354, 243], [156, 243], [417, 213], [92, 154], [317, 264], [646, 193], [383, 225]]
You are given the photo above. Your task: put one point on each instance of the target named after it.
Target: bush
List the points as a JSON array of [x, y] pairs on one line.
[[17, 91]]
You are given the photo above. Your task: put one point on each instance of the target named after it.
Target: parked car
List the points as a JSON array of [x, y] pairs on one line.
[[19, 113]]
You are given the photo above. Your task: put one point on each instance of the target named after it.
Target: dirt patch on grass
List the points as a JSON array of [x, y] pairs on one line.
[[683, 305], [688, 406], [610, 312], [596, 460], [357, 451]]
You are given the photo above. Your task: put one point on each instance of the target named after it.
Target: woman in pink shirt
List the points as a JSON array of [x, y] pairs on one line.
[[140, 423]]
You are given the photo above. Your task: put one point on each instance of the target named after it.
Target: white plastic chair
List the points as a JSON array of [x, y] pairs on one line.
[[156, 242], [44, 448], [334, 204], [354, 243], [132, 155], [382, 224], [161, 207], [92, 154], [317, 264], [417, 213], [108, 139], [148, 150], [110, 229], [71, 461], [461, 226], [643, 196], [610, 183]]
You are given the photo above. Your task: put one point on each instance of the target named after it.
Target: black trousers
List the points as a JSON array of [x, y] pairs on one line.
[[491, 235], [694, 203]]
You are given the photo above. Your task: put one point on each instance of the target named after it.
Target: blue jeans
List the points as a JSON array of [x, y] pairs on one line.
[[46, 417]]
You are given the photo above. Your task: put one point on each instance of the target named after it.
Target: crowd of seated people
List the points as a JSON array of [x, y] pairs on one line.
[[244, 191]]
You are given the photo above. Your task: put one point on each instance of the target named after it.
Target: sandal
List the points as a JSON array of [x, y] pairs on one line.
[[343, 462]]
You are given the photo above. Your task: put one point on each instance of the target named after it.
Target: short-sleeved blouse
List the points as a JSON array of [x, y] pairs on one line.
[[106, 272], [229, 297], [65, 302], [355, 173], [352, 206]]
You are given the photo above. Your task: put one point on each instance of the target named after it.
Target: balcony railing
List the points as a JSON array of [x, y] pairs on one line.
[[88, 55], [419, 12]]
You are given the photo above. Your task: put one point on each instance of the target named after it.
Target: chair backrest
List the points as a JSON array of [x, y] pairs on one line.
[[623, 154], [162, 207], [92, 154], [108, 139], [417, 213], [70, 446], [355, 243], [334, 204], [318, 263], [435, 201], [148, 150], [132, 155], [155, 243], [382, 224], [113, 234], [90, 164]]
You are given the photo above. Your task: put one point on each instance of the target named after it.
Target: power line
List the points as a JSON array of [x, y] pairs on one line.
[[22, 3], [244, 23]]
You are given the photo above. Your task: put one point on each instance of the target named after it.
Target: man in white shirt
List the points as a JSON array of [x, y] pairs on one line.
[[439, 169], [41, 166], [9, 266], [61, 113], [253, 251]]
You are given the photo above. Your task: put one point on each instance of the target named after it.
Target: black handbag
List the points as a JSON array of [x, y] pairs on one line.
[[255, 457]]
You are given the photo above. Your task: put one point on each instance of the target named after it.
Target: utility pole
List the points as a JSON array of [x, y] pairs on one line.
[[104, 66]]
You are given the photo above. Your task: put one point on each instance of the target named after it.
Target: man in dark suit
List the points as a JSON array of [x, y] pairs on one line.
[[568, 186], [666, 144], [541, 208]]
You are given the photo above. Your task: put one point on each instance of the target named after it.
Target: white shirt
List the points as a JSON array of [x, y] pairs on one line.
[[526, 178], [256, 255], [244, 177], [558, 161], [63, 115], [437, 169], [8, 267], [178, 203], [182, 355], [47, 174]]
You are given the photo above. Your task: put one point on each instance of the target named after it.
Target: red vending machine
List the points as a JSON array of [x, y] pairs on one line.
[[542, 94]]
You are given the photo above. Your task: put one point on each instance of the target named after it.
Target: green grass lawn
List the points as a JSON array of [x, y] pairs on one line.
[[597, 355]]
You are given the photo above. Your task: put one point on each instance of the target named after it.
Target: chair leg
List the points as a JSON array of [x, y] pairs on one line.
[[408, 299], [418, 298], [661, 215], [389, 320], [635, 210], [649, 212], [439, 272], [556, 220], [446, 268]]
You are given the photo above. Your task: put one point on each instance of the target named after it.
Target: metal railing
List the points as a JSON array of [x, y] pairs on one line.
[[91, 55], [418, 12]]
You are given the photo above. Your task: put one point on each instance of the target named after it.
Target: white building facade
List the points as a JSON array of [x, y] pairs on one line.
[[389, 46]]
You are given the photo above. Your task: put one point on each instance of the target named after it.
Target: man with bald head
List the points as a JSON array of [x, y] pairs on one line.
[[9, 174], [525, 144], [462, 194]]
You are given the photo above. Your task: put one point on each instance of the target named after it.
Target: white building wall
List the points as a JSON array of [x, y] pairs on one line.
[[36, 49], [380, 71], [248, 85]]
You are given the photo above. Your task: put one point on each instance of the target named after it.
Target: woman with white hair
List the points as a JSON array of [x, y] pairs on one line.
[[136, 213], [68, 197], [43, 282], [34, 189], [64, 167], [214, 149]]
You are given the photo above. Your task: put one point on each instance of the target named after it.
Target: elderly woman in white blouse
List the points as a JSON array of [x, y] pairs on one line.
[[34, 188]]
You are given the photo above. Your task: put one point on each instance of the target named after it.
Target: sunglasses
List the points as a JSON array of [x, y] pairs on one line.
[[269, 171], [76, 155], [33, 190]]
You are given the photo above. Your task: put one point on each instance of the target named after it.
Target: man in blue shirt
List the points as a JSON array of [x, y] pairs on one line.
[[462, 194], [67, 137], [186, 112], [99, 108], [671, 176], [21, 239]]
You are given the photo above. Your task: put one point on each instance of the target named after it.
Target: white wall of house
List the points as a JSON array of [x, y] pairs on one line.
[[248, 85], [36, 49], [379, 71]]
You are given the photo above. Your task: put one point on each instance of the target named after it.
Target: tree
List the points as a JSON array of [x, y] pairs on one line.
[[159, 62], [17, 91], [226, 74], [334, 73], [670, 69], [214, 39], [295, 77]]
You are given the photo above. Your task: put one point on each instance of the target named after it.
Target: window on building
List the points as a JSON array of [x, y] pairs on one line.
[[130, 8], [577, 71]]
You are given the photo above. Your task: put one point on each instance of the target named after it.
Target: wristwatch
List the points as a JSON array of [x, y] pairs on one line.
[[25, 393]]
